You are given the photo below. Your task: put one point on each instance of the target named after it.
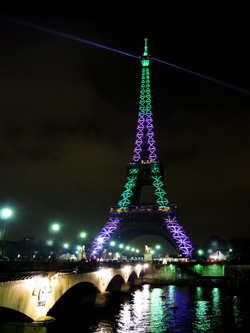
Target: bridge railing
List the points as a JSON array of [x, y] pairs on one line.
[[19, 270]]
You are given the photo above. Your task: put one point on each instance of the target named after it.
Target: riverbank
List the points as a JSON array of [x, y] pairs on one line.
[[223, 282]]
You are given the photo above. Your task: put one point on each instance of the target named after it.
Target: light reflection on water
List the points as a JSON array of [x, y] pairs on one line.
[[199, 310], [133, 316]]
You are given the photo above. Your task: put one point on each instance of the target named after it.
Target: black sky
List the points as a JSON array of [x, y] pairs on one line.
[[69, 114]]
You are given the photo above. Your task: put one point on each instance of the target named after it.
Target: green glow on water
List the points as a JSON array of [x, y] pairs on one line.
[[156, 311]]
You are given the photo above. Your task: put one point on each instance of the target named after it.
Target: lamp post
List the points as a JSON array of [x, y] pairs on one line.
[[5, 214], [66, 246], [55, 227], [158, 248], [83, 254]]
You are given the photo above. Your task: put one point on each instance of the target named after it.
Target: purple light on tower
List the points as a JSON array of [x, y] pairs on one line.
[[104, 236], [144, 143], [179, 235]]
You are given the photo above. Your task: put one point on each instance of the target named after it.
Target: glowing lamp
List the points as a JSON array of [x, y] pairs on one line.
[[55, 227], [6, 213]]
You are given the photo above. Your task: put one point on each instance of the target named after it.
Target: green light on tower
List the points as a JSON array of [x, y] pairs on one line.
[[145, 59]]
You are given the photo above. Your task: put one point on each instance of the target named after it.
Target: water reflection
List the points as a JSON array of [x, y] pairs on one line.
[[150, 310], [201, 320], [157, 308], [134, 316], [104, 327]]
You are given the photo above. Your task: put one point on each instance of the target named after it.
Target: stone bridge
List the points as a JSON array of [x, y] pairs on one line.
[[35, 293]]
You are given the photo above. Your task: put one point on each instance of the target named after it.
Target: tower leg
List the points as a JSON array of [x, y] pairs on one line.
[[104, 236]]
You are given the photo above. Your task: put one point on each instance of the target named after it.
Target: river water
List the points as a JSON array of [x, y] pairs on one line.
[[149, 309]]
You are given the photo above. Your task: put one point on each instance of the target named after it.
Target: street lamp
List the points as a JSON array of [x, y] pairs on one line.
[[83, 235], [66, 246], [55, 227], [5, 214], [200, 253], [83, 254]]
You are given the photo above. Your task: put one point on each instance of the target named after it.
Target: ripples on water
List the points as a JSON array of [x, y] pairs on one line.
[[149, 310]]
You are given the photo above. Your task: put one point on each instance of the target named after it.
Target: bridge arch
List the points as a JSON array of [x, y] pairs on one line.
[[115, 284], [8, 314], [81, 294], [132, 277], [37, 295]]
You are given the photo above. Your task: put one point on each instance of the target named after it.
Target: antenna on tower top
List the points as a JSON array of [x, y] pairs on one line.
[[145, 54], [145, 58]]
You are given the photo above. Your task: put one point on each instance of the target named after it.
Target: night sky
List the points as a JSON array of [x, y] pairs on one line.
[[69, 116]]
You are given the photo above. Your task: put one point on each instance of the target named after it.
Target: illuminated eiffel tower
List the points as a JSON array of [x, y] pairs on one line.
[[130, 219]]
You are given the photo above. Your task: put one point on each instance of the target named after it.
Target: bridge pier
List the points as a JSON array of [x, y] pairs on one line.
[[126, 288], [102, 298], [137, 282]]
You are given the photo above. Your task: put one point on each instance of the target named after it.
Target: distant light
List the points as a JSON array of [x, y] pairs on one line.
[[55, 227], [158, 247], [5, 213], [66, 246], [121, 246], [112, 243], [126, 268], [127, 248], [83, 234]]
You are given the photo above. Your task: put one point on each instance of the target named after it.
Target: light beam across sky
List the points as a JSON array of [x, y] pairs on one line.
[[41, 28]]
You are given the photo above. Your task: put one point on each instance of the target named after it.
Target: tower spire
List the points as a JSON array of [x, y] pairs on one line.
[[145, 151], [145, 47]]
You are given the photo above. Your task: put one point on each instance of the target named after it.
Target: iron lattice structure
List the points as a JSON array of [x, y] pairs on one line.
[[130, 218]]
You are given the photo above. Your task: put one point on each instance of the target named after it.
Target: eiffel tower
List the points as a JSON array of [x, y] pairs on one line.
[[130, 219]]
